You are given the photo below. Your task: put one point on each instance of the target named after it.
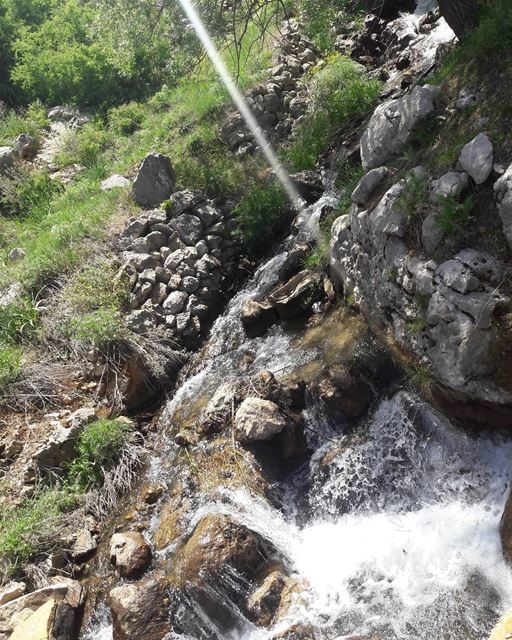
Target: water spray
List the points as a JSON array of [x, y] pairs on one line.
[[241, 104]]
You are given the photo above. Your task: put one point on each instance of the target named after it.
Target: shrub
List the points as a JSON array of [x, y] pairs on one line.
[[26, 193], [31, 120], [10, 361], [98, 449], [29, 528], [340, 93], [97, 328], [412, 196], [258, 214], [96, 287], [453, 214], [127, 118]]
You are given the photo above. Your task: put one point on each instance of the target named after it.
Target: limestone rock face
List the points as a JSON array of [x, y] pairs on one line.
[[458, 334], [503, 191], [368, 184], [140, 610], [155, 180], [257, 419], [392, 123], [129, 553], [477, 158], [449, 185]]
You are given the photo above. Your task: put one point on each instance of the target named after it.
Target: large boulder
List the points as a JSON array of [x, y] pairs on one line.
[[140, 610], [52, 612], [129, 553], [392, 123], [257, 419], [477, 158], [155, 181]]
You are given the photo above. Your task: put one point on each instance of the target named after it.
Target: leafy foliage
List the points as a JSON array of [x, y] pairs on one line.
[[453, 214], [258, 213]]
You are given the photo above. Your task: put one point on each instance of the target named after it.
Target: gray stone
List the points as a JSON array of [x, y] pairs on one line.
[[148, 275], [189, 228], [481, 264], [257, 419], [458, 277], [84, 546], [368, 184], [156, 240], [431, 233], [174, 259], [175, 302], [182, 201], [391, 125], [159, 293], [466, 99], [8, 158], [503, 191], [140, 321], [26, 145], [477, 158], [129, 553], [135, 228], [17, 254], [201, 248], [155, 180], [207, 214], [190, 284], [115, 182], [449, 185]]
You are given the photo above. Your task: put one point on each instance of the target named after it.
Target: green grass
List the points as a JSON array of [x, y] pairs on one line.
[[259, 213], [412, 196], [453, 215], [26, 529], [98, 449], [341, 93], [15, 122], [18, 323]]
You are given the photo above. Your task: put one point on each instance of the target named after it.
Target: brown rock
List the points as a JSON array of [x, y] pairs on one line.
[[257, 419], [344, 393], [298, 295], [263, 603], [84, 547], [140, 610], [257, 317], [129, 553]]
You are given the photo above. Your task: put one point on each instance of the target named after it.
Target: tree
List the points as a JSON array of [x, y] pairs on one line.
[[461, 15]]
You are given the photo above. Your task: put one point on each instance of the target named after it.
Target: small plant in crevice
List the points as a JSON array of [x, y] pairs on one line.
[[453, 215], [420, 376], [413, 196], [416, 326]]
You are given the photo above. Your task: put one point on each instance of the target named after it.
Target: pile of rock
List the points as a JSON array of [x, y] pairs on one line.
[[280, 101], [180, 260]]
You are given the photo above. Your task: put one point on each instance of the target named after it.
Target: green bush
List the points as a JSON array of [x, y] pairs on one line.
[[31, 120], [412, 196], [98, 449], [127, 118], [27, 192], [453, 214], [96, 287], [97, 328], [258, 213], [17, 324], [59, 61], [10, 364], [28, 528], [340, 93]]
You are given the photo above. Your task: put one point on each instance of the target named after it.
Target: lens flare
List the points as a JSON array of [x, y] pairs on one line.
[[241, 103]]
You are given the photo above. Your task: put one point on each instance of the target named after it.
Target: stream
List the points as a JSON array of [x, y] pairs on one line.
[[395, 537], [391, 528]]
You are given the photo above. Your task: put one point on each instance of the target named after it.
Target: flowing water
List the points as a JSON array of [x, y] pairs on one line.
[[392, 530]]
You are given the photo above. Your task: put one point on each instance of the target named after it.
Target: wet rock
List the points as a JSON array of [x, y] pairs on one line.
[[129, 553], [298, 295], [257, 317], [477, 158], [140, 610], [366, 187], [257, 419], [298, 632], [52, 612], [115, 182], [294, 261], [392, 123], [217, 547], [12, 591], [344, 393], [155, 181], [84, 546], [308, 184], [263, 603]]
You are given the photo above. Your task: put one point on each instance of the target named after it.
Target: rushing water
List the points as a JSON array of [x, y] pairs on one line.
[[392, 530]]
